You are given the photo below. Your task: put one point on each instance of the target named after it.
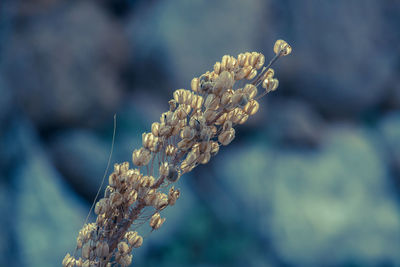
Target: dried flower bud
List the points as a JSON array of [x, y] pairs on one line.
[[214, 148], [170, 150], [173, 195], [260, 61], [251, 108], [68, 261], [101, 206], [282, 47], [270, 84], [115, 199], [86, 251], [123, 247], [124, 260], [183, 96], [197, 102], [250, 90], [212, 102], [243, 72], [172, 105], [134, 239], [224, 82], [141, 157], [226, 137], [226, 97], [156, 221], [210, 115], [161, 201], [204, 158], [195, 84], [102, 249], [132, 197], [187, 133], [155, 128], [217, 67], [251, 74]]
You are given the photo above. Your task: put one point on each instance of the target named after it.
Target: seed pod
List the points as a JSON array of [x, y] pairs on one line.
[[161, 201], [253, 58], [123, 247], [204, 158], [132, 197], [243, 72], [115, 199], [224, 82], [134, 239], [226, 97], [232, 64], [270, 84], [170, 150], [260, 61], [210, 115], [156, 221], [195, 84], [282, 47], [212, 102], [197, 102], [185, 144], [251, 108], [221, 119], [124, 260], [227, 125], [250, 90], [68, 261], [226, 137], [183, 96], [173, 195], [141, 157], [187, 133], [214, 148], [155, 128], [86, 251], [217, 67], [251, 74], [102, 206], [241, 59], [102, 249]]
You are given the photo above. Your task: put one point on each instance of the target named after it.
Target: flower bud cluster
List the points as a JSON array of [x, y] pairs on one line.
[[196, 124]]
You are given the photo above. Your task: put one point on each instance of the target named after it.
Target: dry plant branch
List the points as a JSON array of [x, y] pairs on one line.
[[190, 133]]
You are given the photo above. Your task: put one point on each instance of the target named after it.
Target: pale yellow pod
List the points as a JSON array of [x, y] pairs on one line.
[[251, 74], [132, 197], [217, 67], [195, 85], [172, 105], [232, 63], [155, 128], [221, 119], [253, 58], [204, 158], [210, 115], [170, 150], [226, 137], [282, 47], [251, 108], [86, 251], [226, 97], [250, 90], [224, 82], [225, 62], [260, 61], [173, 195], [241, 59], [125, 260], [212, 102], [270, 84]]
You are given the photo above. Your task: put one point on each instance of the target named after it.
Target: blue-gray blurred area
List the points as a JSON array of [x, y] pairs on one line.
[[313, 179]]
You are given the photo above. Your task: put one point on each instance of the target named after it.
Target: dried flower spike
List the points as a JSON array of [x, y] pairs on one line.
[[198, 122]]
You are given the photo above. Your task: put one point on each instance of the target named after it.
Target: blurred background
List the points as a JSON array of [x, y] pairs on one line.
[[313, 179]]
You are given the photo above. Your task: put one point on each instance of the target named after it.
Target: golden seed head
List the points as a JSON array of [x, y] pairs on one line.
[[123, 247], [173, 195], [282, 47], [224, 82], [270, 84], [195, 85], [251, 108]]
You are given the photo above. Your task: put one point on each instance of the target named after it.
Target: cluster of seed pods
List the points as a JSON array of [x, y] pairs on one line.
[[197, 123]]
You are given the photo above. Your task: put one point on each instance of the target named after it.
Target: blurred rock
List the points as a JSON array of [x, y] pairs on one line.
[[64, 65], [81, 157], [390, 129], [294, 122], [48, 214], [341, 61], [189, 37], [6, 105], [331, 206]]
